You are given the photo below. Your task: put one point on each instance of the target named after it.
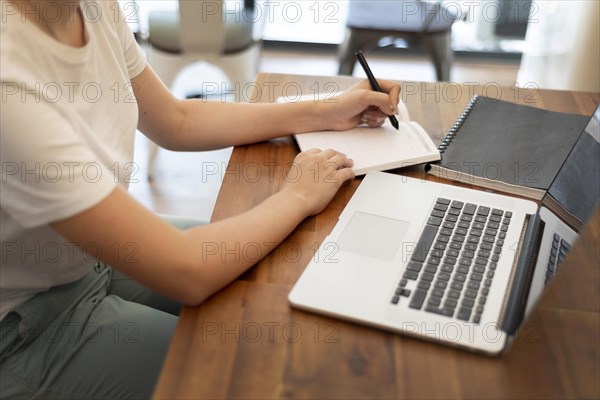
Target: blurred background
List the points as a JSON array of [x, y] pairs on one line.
[[203, 48]]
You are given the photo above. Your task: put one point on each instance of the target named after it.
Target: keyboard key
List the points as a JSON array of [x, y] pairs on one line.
[[463, 313], [482, 210], [465, 261], [482, 300], [461, 231], [432, 269], [488, 239], [446, 268], [487, 282], [458, 238], [443, 200], [456, 286], [456, 245], [448, 225], [403, 282], [476, 277], [425, 242], [495, 211], [473, 285], [491, 232], [506, 221], [466, 218], [395, 299], [443, 239], [477, 319], [457, 204], [434, 301], [417, 299], [481, 218], [508, 214], [469, 209], [423, 285], [495, 218], [453, 294], [481, 261], [503, 228], [460, 277], [473, 239], [468, 303], [462, 269], [439, 246], [449, 303], [441, 311], [445, 232], [414, 266], [435, 221], [441, 284], [454, 211], [450, 260], [437, 213], [478, 225], [476, 232], [437, 292], [410, 275], [451, 218], [440, 207], [479, 269], [427, 277], [443, 276], [436, 252]]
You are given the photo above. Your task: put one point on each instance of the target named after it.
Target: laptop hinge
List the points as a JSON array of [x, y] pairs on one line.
[[523, 275]]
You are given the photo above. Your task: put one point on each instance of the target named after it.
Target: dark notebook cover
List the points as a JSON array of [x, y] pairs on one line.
[[511, 143]]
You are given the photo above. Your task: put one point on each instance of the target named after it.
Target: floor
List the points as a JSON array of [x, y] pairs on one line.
[[187, 184]]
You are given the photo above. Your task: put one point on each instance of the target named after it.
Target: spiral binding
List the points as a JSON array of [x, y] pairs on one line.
[[446, 142]]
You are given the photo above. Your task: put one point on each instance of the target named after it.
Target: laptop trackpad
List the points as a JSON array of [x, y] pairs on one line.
[[373, 236]]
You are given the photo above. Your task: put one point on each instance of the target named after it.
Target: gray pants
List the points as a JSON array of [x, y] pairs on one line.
[[104, 336]]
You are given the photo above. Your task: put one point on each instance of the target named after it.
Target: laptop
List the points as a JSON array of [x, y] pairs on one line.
[[458, 266]]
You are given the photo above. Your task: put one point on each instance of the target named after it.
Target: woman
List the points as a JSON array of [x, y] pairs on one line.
[[75, 86]]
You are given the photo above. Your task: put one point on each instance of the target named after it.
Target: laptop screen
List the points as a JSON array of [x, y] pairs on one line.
[[576, 188]]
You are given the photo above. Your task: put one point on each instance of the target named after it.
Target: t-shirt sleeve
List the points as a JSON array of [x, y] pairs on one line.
[[134, 55], [48, 173]]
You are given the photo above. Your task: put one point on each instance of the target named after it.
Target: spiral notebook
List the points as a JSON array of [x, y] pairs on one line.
[[508, 147], [374, 149]]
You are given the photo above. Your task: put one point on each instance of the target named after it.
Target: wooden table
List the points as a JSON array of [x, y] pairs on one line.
[[246, 341]]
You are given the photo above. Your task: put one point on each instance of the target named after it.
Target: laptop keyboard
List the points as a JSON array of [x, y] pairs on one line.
[[560, 248], [455, 260]]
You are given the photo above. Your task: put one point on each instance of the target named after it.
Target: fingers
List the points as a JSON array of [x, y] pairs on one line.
[[373, 118], [388, 103], [328, 157]]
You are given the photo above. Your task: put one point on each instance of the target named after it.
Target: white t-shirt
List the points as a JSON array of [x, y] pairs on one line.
[[68, 118]]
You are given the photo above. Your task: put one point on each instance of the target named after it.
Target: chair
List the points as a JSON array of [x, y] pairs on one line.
[[226, 34], [420, 24]]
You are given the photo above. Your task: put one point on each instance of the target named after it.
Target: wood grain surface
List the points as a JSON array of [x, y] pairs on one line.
[[246, 341]]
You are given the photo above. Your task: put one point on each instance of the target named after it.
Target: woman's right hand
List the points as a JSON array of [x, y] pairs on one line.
[[316, 176]]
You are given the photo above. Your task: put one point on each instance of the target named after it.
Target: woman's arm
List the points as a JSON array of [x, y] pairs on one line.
[[189, 266], [203, 125]]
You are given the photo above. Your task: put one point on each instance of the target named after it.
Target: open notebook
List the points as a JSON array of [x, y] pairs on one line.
[[375, 149]]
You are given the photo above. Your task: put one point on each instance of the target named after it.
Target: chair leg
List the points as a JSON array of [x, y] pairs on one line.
[[240, 68], [355, 40], [439, 49]]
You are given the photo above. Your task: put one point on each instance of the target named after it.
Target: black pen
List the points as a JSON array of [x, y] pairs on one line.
[[374, 85]]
